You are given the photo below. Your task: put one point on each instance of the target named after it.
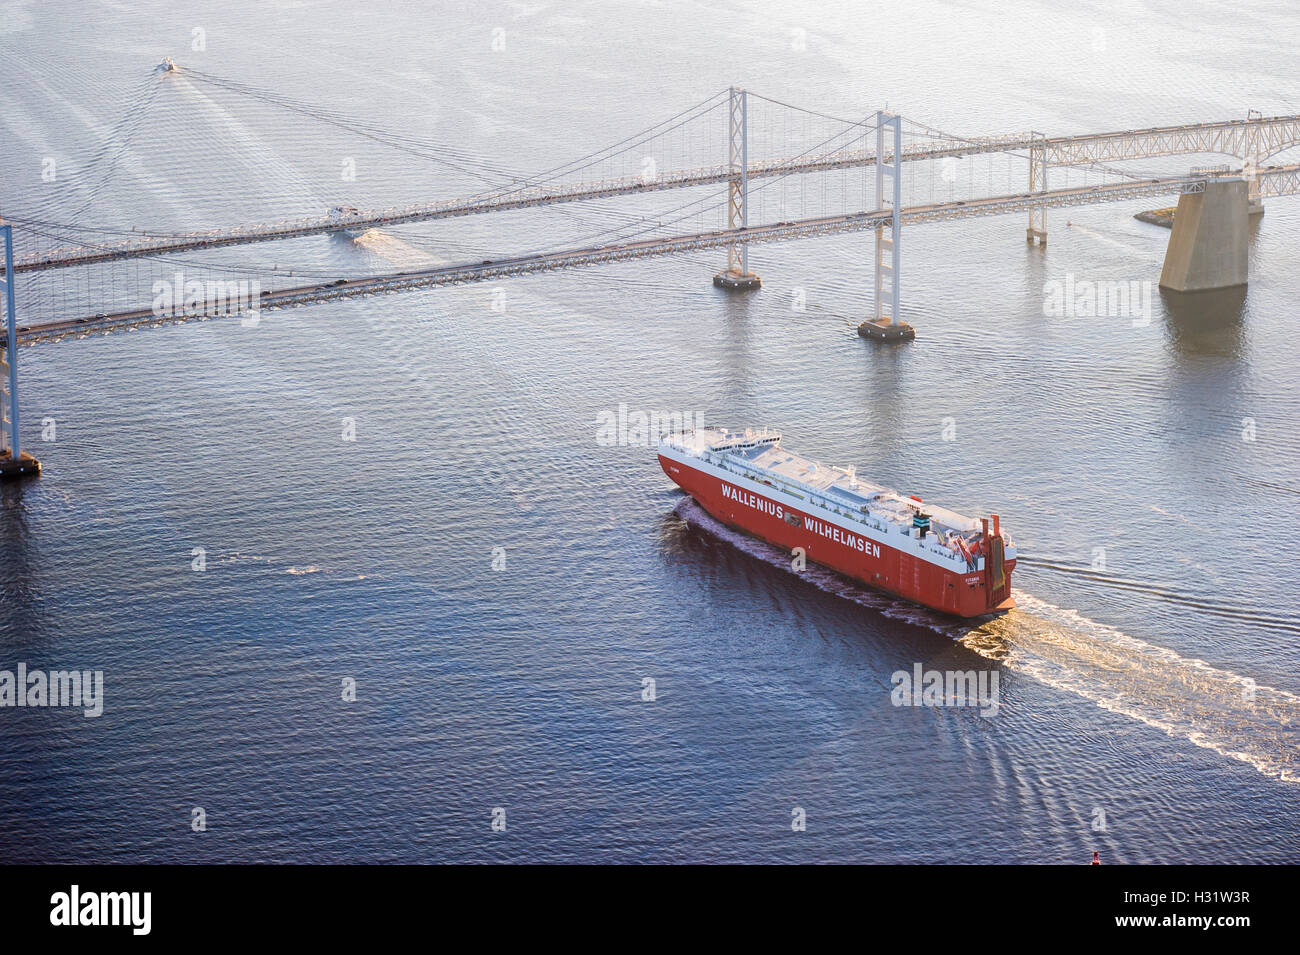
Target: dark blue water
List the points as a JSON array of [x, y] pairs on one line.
[[1122, 688]]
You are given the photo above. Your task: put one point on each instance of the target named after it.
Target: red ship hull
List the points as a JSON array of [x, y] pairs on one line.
[[873, 562]]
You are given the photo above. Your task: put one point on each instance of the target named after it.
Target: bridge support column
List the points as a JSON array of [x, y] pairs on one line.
[[886, 326], [1208, 243], [1037, 231], [14, 462], [737, 276], [1254, 201]]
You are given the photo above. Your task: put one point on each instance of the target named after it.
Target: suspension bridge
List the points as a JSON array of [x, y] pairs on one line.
[[882, 161], [1252, 139]]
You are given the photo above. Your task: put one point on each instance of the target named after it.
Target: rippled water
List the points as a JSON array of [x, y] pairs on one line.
[[1125, 685]]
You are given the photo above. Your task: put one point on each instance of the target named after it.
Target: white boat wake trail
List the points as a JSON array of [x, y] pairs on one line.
[[1185, 697], [396, 251]]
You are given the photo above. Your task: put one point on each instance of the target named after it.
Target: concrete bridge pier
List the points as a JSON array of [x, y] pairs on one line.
[[1208, 244], [737, 277]]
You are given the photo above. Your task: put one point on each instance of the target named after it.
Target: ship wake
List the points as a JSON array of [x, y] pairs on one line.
[[395, 251], [1183, 697]]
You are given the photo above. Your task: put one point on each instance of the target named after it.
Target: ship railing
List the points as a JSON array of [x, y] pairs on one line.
[[745, 442], [752, 474], [866, 519]]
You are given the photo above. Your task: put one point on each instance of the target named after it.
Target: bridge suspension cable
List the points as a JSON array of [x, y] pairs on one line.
[[774, 176], [677, 120]]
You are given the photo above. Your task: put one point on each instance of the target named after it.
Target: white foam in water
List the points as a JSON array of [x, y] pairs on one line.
[[395, 250], [1184, 697]]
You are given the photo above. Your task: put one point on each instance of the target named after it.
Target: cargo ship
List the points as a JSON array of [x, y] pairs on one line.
[[892, 542]]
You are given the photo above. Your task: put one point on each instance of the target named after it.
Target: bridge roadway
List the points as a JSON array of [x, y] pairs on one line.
[[1274, 180], [1249, 138]]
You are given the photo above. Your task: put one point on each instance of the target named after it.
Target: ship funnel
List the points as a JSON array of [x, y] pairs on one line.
[[853, 476]]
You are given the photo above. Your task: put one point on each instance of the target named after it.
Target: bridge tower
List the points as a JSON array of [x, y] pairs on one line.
[[1037, 230], [886, 325], [14, 462], [737, 276]]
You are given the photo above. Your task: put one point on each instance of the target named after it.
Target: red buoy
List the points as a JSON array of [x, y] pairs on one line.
[[1096, 858]]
